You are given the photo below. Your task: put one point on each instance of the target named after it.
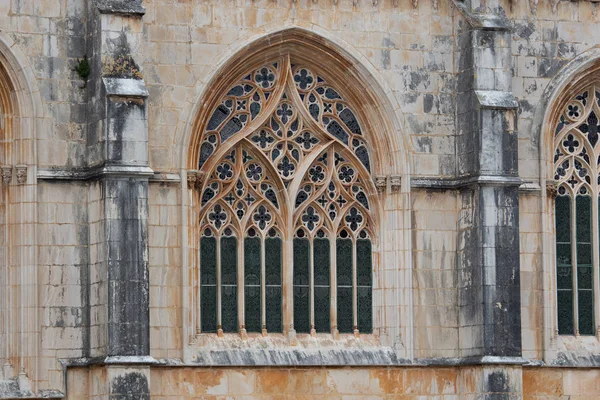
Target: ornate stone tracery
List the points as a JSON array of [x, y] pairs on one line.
[[284, 157], [576, 172]]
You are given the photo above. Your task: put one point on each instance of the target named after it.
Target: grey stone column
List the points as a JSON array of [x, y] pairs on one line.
[[118, 152], [488, 242]]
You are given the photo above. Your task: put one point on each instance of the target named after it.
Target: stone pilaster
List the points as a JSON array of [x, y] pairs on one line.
[[488, 247], [118, 153]]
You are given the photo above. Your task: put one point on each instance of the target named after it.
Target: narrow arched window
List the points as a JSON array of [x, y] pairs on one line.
[[286, 206], [576, 162]]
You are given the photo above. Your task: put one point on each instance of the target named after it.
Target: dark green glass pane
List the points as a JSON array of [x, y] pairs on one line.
[[563, 254], [229, 321], [208, 301], [273, 261], [301, 290], [273, 278], [321, 261], [565, 312], [586, 312], [365, 309], [563, 219], [252, 261], [344, 310], [564, 277], [584, 254], [322, 309], [274, 309], [584, 218], [322, 287], [344, 262], [229, 261], [208, 282], [344, 285], [364, 268], [584, 277]]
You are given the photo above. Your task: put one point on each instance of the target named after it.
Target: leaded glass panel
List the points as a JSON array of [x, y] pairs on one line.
[[301, 285], [252, 288], [344, 285], [208, 284], [321, 274], [273, 284], [229, 321]]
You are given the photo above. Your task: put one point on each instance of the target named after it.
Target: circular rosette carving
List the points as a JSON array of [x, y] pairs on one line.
[[574, 111], [311, 218], [218, 216]]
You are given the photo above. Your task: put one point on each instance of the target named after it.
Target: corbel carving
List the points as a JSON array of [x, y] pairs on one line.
[[375, 2], [415, 3], [395, 183], [381, 183], [21, 173], [395, 3], [6, 174], [555, 6], [355, 3], [551, 190], [194, 179], [435, 5]]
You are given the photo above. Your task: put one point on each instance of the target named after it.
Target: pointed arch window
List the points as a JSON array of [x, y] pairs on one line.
[[287, 207], [576, 170]]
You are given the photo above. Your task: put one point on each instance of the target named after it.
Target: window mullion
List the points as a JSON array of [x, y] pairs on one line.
[[241, 271], [263, 290], [574, 265], [218, 256], [595, 261], [311, 285], [333, 286], [354, 287]]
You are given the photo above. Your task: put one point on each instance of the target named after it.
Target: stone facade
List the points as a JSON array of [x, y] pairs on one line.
[[102, 103]]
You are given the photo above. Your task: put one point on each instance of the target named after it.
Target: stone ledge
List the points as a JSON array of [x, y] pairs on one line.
[[496, 99], [490, 22], [127, 7], [458, 183], [84, 174], [125, 87]]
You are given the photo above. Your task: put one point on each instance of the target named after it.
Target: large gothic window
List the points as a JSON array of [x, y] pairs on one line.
[[286, 191], [576, 163]]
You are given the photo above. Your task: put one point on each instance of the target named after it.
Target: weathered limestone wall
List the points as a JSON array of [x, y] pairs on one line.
[[415, 54]]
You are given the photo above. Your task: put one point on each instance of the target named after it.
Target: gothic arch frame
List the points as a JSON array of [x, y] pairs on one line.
[[581, 72], [20, 95], [390, 150]]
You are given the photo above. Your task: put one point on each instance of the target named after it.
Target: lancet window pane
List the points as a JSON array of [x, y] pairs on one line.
[[301, 285], [584, 265], [229, 321], [564, 276], [208, 284], [273, 284], [252, 286], [344, 257], [322, 286], [365, 283]]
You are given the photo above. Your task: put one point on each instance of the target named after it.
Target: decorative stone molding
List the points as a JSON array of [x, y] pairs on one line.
[[6, 174], [194, 179], [551, 190], [21, 173], [395, 183], [381, 183]]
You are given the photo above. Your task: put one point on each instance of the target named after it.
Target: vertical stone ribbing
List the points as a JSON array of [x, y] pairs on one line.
[[488, 242]]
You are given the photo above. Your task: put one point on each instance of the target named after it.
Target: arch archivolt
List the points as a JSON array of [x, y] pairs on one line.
[[20, 114], [319, 132]]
